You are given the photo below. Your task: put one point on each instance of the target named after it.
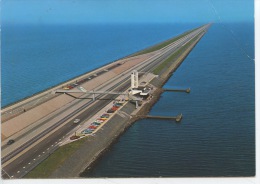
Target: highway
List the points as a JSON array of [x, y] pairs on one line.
[[26, 156]]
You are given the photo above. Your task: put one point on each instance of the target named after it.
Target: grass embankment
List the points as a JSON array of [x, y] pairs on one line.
[[163, 44], [48, 166], [158, 69]]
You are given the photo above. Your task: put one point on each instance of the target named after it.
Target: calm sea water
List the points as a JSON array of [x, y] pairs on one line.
[[217, 134], [36, 57]]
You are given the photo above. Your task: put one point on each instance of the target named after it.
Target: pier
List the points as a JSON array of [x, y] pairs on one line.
[[177, 90], [176, 118]]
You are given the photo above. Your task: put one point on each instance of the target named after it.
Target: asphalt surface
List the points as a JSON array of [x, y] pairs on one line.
[[23, 164]]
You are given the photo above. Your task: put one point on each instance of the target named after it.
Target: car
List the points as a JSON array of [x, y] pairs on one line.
[[87, 131], [96, 123], [99, 121], [76, 121], [102, 118], [110, 111], [92, 127], [11, 141], [92, 124], [105, 116], [66, 88], [117, 105]]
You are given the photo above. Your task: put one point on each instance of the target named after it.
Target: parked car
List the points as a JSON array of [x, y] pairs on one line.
[[110, 111], [105, 116], [95, 123], [87, 131], [92, 127], [102, 118], [66, 88], [11, 141]]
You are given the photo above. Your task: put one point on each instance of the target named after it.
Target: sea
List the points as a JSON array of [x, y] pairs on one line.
[[37, 57], [216, 136]]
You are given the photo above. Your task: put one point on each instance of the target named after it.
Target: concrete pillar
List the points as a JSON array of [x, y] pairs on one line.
[[136, 104]]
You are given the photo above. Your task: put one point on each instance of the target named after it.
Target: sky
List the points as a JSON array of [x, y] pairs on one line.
[[125, 11]]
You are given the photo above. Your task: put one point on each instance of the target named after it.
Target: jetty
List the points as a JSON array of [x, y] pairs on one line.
[[177, 90], [176, 118]]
